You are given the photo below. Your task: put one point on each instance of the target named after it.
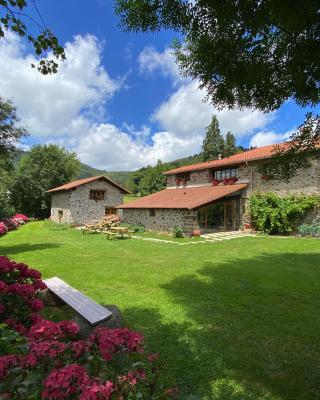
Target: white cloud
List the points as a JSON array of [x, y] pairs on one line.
[[186, 114], [106, 146], [266, 138], [150, 60], [69, 108], [49, 104]]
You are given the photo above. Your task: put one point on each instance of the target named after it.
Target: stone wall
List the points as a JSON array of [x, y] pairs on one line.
[[77, 206], [164, 219], [60, 201], [305, 181], [196, 178]]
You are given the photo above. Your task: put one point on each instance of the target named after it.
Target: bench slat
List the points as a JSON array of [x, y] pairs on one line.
[[83, 305]]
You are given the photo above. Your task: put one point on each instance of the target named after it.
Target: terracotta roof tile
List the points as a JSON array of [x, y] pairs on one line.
[[187, 198], [249, 155], [79, 182]]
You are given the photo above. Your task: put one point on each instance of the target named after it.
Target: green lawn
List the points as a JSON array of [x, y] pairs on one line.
[[234, 320]]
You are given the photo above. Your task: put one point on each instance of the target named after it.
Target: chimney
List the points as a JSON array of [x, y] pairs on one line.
[[219, 156]]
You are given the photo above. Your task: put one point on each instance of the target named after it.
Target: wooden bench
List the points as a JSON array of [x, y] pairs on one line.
[[83, 305]]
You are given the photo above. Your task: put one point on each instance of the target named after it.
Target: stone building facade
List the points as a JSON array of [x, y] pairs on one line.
[[161, 219], [82, 201], [234, 211]]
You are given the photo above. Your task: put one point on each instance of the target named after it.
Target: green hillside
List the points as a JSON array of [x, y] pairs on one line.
[[124, 178]]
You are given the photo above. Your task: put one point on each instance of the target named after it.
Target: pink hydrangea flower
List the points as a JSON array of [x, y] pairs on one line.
[[45, 349], [6, 362], [111, 341], [6, 265], [45, 330], [79, 347], [69, 328], [39, 285], [65, 382], [33, 273], [97, 391], [36, 304], [23, 217], [22, 289], [3, 228]]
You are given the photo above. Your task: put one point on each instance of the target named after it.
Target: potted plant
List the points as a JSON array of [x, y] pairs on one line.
[[215, 182], [233, 180], [196, 232]]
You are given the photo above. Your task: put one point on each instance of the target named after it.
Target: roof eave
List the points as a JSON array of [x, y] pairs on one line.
[[175, 171]]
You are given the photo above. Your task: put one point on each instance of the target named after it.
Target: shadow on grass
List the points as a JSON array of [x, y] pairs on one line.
[[22, 248], [251, 330]]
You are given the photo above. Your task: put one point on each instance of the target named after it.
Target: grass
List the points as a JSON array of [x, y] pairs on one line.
[[233, 320], [156, 235]]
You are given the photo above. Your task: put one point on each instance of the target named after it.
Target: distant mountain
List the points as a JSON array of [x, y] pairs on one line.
[[123, 177]]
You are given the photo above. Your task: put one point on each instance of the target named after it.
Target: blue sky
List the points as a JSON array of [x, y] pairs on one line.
[[118, 100]]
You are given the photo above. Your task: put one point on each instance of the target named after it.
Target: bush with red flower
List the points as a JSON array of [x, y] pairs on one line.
[[42, 359], [22, 218], [10, 224], [3, 228]]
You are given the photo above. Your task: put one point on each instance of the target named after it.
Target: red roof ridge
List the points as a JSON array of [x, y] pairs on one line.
[[83, 181], [257, 153]]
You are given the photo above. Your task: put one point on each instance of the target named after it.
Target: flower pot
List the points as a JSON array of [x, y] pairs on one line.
[[196, 232]]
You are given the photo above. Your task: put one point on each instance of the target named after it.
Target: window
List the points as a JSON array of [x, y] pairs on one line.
[[97, 195], [110, 211], [152, 212], [226, 173], [183, 177]]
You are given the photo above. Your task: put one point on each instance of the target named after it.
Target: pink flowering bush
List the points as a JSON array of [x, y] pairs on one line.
[[21, 217], [3, 228], [18, 288], [10, 224], [46, 360]]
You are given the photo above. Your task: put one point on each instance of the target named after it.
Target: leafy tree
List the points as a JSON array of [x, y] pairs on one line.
[[213, 143], [6, 179], [42, 168], [248, 54], [14, 17], [230, 146], [245, 54], [153, 180], [302, 147], [10, 133]]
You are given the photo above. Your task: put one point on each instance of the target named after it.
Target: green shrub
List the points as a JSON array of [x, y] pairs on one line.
[[309, 230], [178, 232], [135, 228], [54, 226], [272, 213]]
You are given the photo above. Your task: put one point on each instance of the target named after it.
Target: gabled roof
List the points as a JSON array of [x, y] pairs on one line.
[[250, 155], [186, 198], [80, 182]]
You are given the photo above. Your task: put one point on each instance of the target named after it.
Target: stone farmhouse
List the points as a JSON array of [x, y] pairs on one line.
[[85, 200], [214, 195]]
